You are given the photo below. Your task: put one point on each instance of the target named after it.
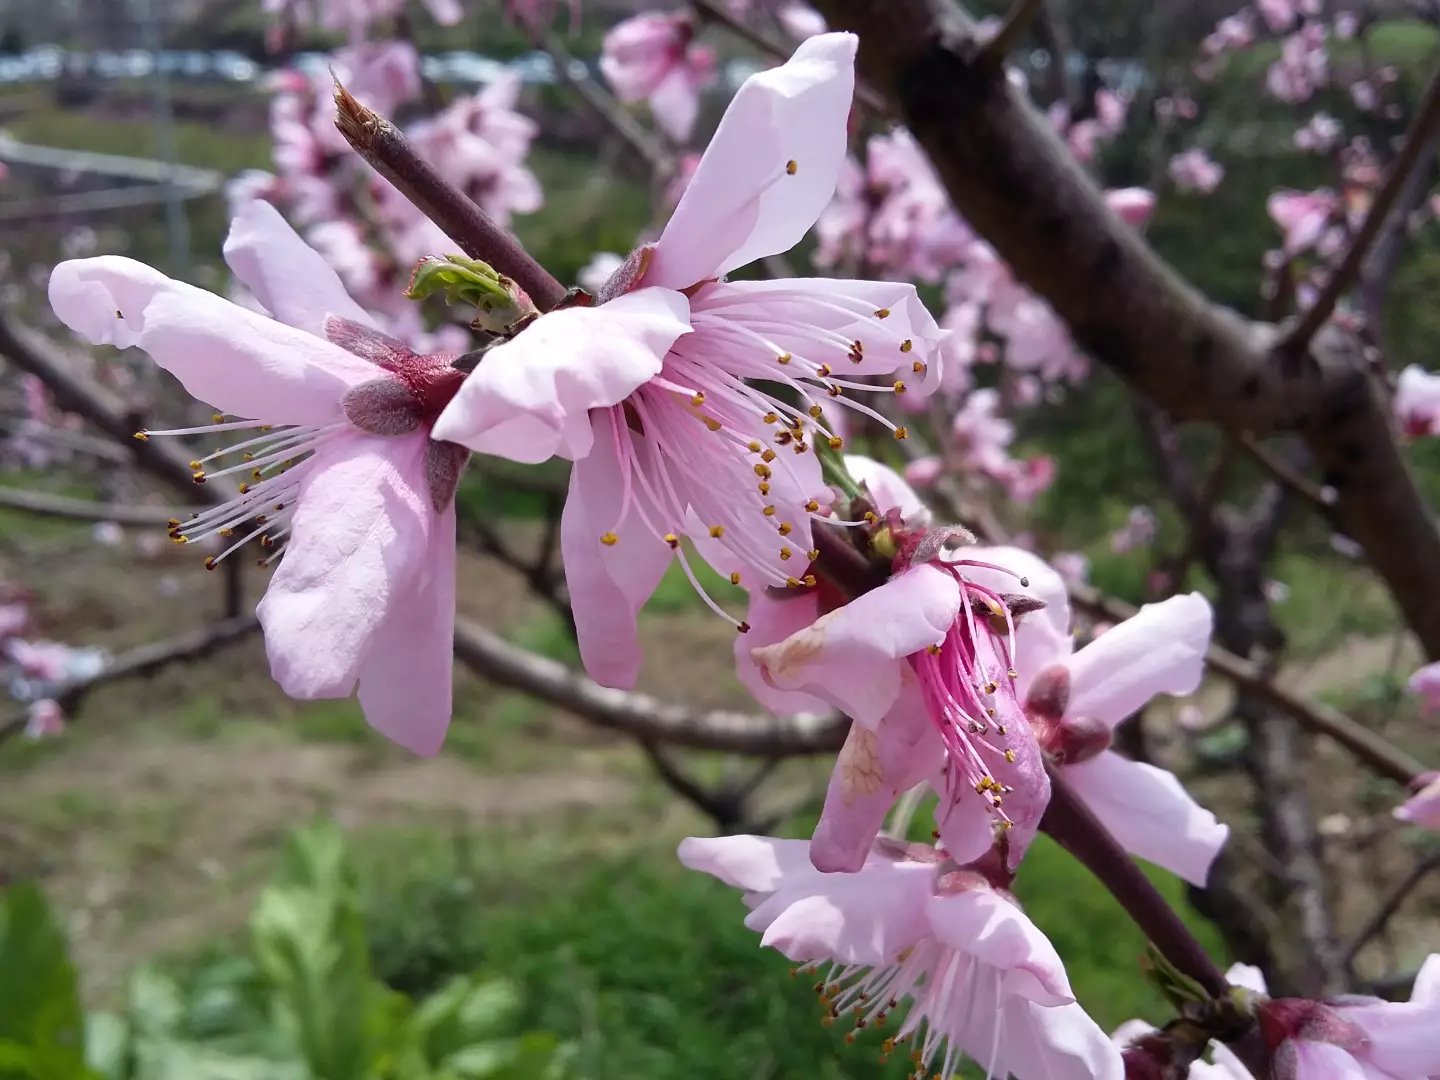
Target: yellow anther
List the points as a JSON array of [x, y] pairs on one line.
[[816, 411], [770, 417], [786, 528], [918, 367], [256, 474], [769, 511], [784, 358], [672, 540], [1010, 756], [219, 418], [764, 489], [247, 456], [198, 476], [743, 627], [899, 387], [906, 345], [990, 687], [768, 456], [735, 577], [1012, 673], [833, 391], [812, 507], [785, 553], [872, 517], [850, 1037], [809, 580], [793, 582], [142, 436], [792, 167], [698, 399], [227, 532], [883, 313], [933, 650], [712, 423], [824, 371], [754, 446], [210, 563], [762, 471], [717, 531], [173, 523], [836, 443], [812, 554], [902, 432], [244, 489], [1002, 730], [609, 539], [180, 539]]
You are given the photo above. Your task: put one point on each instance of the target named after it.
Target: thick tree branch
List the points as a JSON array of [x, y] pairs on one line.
[[1422, 133], [640, 715], [381, 144], [1015, 182], [38, 502], [1017, 22]]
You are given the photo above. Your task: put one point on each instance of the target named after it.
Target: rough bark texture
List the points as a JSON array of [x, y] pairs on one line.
[[1014, 181]]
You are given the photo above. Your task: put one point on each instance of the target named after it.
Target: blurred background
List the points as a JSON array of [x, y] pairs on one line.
[[535, 856]]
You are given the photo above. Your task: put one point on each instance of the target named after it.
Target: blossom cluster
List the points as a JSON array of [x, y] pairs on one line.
[[703, 415]]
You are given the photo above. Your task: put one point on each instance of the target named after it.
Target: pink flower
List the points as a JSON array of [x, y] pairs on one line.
[[44, 719], [654, 57], [1425, 684], [1138, 531], [1133, 205], [42, 661], [14, 617], [1357, 1036], [925, 666], [1320, 135], [1423, 807], [1196, 172], [1076, 701], [648, 393], [1072, 566], [1417, 402], [982, 981], [338, 463]]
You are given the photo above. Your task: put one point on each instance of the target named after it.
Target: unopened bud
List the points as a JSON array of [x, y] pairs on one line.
[[1049, 694], [1288, 1019], [1075, 739], [500, 301]]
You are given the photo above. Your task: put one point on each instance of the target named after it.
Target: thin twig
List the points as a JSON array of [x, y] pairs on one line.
[[143, 660], [1377, 922], [640, 715], [1017, 21], [1322, 498], [1072, 825], [381, 144], [1422, 130], [60, 506]]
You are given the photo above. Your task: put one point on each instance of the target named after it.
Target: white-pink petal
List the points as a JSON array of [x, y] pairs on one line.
[[994, 930], [530, 398], [1159, 650], [360, 537], [853, 656], [744, 202], [751, 863], [773, 620], [889, 488], [284, 273], [235, 360], [1150, 813]]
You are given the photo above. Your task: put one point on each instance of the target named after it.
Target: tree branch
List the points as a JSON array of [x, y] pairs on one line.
[[1016, 183], [1017, 21], [640, 715], [143, 660], [1422, 132], [382, 145], [39, 502], [1377, 922]]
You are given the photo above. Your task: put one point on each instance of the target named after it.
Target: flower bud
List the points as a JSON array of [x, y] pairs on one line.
[[501, 302], [1285, 1020]]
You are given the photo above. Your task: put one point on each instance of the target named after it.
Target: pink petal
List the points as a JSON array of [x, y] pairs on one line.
[[1427, 982], [287, 276], [1043, 637], [237, 361], [359, 540], [1403, 1036], [853, 656], [1159, 650], [889, 488], [1059, 1042], [868, 917], [773, 620], [676, 104], [1247, 975], [1150, 813], [1320, 1061], [407, 674], [1422, 808], [873, 768], [530, 398], [608, 584], [753, 863], [742, 204], [993, 929]]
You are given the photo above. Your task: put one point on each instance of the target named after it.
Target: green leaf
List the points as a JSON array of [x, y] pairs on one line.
[[41, 1022]]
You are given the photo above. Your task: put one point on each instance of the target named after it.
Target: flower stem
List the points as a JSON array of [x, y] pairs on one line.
[[381, 144], [1071, 824]]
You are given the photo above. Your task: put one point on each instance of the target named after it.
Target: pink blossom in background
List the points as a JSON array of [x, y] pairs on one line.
[[1231, 33], [653, 57], [44, 719], [797, 19], [1138, 531], [1196, 172], [108, 533], [1075, 701], [1425, 684], [1303, 67], [1347, 25], [1320, 135], [923, 472], [594, 274], [982, 981], [14, 618], [365, 593], [923, 665], [1072, 566], [1132, 205], [1084, 137], [1417, 402], [646, 392], [1303, 216], [685, 166], [1423, 807], [1279, 15], [1365, 95]]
